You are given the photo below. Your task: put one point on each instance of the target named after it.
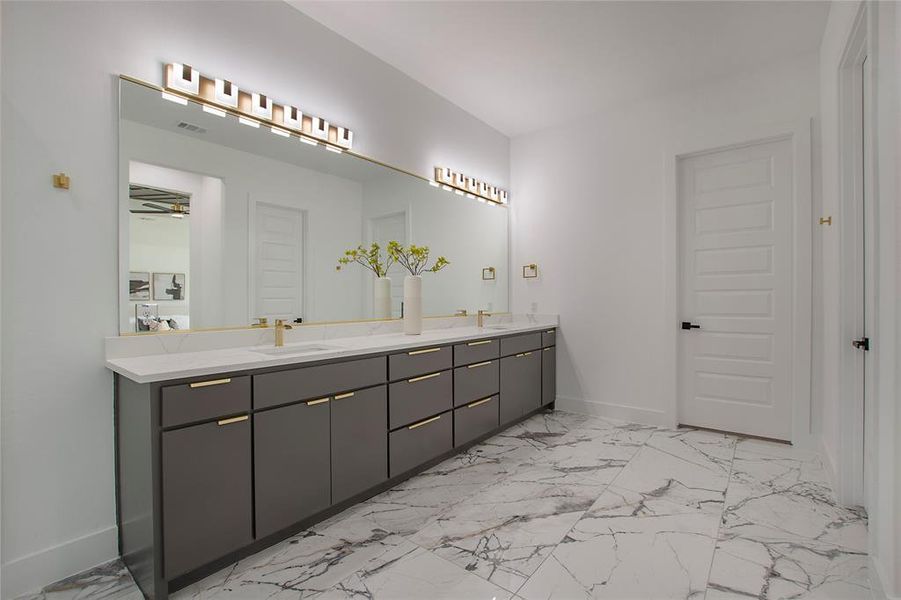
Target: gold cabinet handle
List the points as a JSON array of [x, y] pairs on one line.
[[479, 402], [523, 354], [343, 396], [426, 422], [423, 377], [481, 364], [232, 420], [548, 349], [426, 351], [315, 402], [201, 384], [479, 343], [550, 331]]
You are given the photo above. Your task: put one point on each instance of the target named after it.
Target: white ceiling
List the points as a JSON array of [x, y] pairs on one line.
[[524, 66]]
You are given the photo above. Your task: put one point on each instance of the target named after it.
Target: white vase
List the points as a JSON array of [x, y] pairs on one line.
[[381, 299], [413, 304]]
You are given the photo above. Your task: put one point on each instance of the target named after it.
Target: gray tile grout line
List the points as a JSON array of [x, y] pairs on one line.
[[606, 487], [719, 526]]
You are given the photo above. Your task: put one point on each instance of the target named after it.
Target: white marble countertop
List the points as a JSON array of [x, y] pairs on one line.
[[178, 365]]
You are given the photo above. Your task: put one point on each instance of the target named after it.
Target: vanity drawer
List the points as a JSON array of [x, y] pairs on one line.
[[549, 338], [420, 442], [475, 419], [420, 362], [476, 381], [419, 397], [520, 343], [477, 351], [283, 387], [207, 399]]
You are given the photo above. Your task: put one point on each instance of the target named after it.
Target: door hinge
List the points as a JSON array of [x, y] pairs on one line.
[[862, 344]]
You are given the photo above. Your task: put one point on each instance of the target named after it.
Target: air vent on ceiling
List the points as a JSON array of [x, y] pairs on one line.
[[191, 127]]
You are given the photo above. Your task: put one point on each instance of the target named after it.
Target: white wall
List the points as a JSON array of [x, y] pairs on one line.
[[588, 208], [884, 491], [59, 249]]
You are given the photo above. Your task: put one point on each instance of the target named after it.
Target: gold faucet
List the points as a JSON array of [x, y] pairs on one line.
[[280, 327], [481, 317]]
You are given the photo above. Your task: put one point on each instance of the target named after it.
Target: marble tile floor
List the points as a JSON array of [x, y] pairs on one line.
[[565, 506]]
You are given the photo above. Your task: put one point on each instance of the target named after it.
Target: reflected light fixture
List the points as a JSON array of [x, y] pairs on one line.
[[248, 122], [174, 98], [213, 110], [472, 188]]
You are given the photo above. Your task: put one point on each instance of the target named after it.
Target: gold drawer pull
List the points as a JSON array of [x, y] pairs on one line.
[[477, 403], [343, 396], [426, 351], [423, 377], [479, 343], [426, 422], [524, 354], [201, 384], [550, 331], [548, 349], [232, 420], [481, 364], [315, 402]]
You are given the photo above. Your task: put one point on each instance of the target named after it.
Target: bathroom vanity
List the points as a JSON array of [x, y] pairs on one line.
[[215, 466]]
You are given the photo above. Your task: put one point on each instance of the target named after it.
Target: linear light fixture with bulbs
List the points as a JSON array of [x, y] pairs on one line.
[[464, 185], [219, 97]]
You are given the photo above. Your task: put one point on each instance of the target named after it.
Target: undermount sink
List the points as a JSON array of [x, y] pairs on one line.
[[295, 350]]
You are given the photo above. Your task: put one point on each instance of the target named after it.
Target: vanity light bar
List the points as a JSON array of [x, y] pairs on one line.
[[461, 184], [220, 96]]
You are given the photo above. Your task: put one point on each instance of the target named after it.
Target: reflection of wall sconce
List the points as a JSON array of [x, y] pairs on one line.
[[530, 271], [464, 185], [488, 274], [61, 181]]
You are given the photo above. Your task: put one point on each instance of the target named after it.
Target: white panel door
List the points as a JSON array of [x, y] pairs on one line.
[[385, 229], [735, 284], [278, 262]]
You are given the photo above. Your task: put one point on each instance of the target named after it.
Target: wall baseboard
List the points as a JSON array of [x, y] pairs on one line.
[[34, 571], [877, 582], [633, 414]]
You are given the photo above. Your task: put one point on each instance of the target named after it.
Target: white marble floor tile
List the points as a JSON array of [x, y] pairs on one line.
[[417, 576], [111, 581], [745, 568], [629, 545], [305, 565]]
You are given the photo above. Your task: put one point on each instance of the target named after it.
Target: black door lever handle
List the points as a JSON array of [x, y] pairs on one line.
[[686, 325]]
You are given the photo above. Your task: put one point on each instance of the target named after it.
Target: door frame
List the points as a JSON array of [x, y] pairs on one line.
[[305, 294], [799, 134], [856, 432]]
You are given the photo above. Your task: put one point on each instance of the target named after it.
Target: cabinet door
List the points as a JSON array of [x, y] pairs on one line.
[[359, 441], [520, 385], [206, 493], [548, 375], [291, 464]]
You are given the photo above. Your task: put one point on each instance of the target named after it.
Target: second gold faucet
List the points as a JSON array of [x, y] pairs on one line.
[[481, 317], [280, 327]]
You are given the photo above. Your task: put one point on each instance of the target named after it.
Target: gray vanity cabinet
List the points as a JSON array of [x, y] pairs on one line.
[[207, 493], [520, 385], [359, 424], [548, 375], [292, 474]]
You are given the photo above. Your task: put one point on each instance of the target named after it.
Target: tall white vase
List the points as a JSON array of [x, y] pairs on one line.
[[381, 300], [413, 304]]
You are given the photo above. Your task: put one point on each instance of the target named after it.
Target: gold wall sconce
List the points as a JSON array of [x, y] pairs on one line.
[[826, 220], [530, 271], [221, 97], [489, 274], [61, 181], [464, 185]]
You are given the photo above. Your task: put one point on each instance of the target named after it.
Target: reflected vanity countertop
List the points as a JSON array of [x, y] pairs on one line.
[[168, 365]]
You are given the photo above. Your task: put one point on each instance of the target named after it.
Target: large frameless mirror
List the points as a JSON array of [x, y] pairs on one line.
[[223, 223]]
